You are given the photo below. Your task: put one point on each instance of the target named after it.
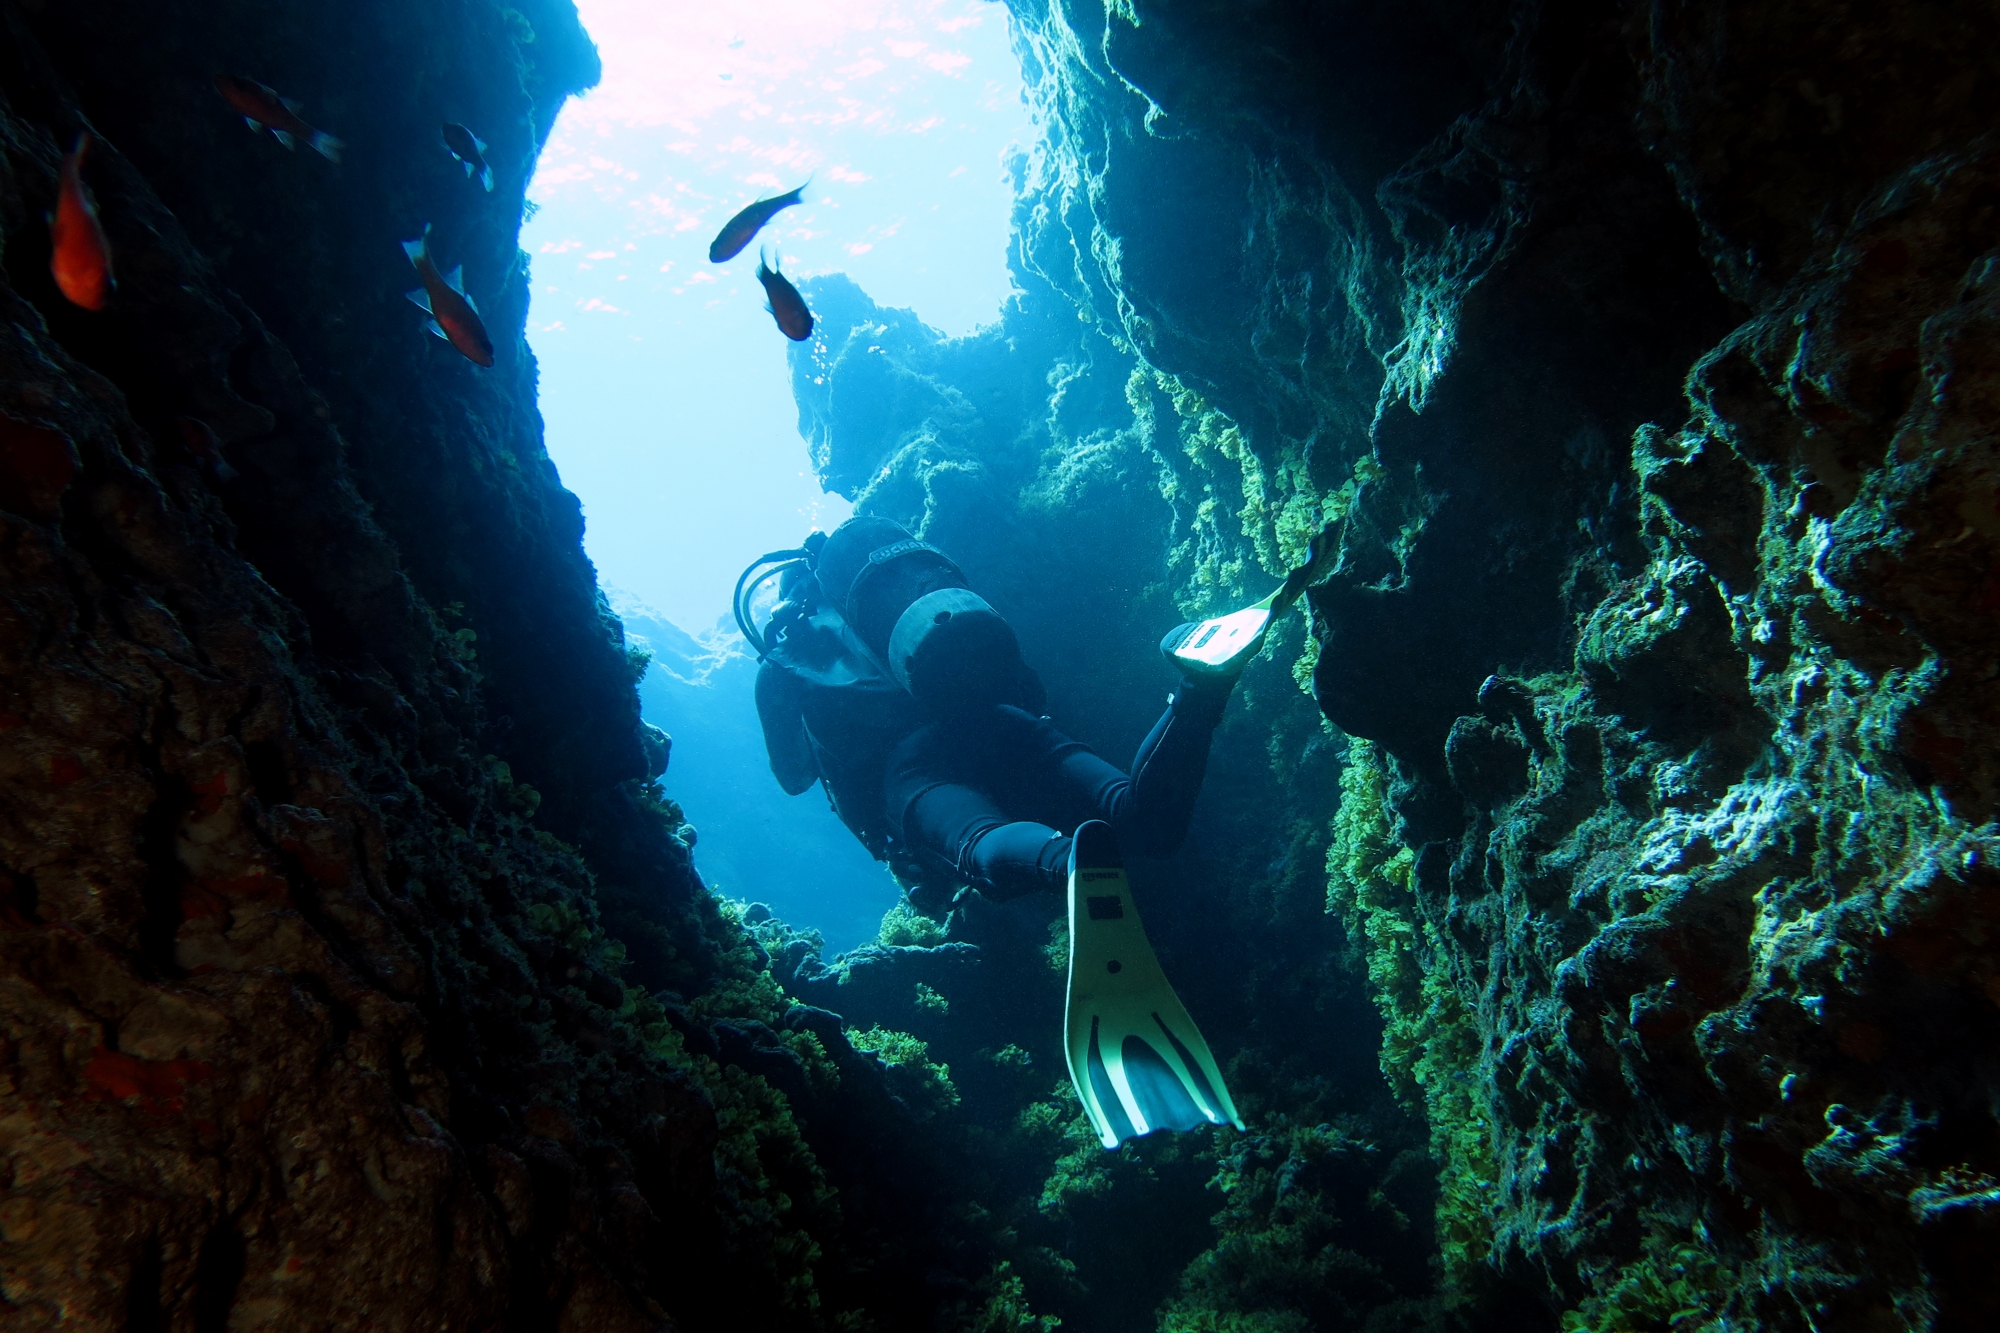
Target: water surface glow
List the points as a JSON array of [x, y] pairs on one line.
[[664, 383]]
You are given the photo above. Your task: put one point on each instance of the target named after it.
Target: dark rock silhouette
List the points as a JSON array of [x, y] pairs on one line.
[[351, 971]]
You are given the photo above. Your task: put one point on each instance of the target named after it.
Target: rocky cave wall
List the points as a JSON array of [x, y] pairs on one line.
[[1640, 360], [352, 973]]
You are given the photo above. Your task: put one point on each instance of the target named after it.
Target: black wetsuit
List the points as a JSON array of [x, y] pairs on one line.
[[993, 794], [987, 797]]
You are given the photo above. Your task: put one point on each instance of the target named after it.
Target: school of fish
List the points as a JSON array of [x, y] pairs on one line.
[[80, 251], [80, 258]]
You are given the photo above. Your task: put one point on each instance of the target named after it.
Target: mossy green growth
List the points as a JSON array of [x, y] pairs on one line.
[[1012, 1057], [1276, 506], [778, 1193], [775, 1196], [903, 926], [1056, 1128], [931, 1000], [1083, 1170], [1297, 1200], [924, 1084], [638, 660], [1678, 1284], [744, 986], [1430, 1044], [1000, 1305], [1056, 952]]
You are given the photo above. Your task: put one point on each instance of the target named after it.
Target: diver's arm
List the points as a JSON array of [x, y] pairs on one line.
[[785, 740]]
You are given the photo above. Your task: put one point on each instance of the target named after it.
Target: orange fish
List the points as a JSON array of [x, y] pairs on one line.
[[453, 316], [81, 257], [787, 306], [262, 109]]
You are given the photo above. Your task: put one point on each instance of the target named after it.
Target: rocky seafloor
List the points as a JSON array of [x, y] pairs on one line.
[[1594, 894]]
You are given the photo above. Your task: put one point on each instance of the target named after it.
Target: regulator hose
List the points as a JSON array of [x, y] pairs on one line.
[[773, 564]]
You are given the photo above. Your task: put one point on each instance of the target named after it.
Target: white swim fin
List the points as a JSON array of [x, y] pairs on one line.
[[1138, 1061]]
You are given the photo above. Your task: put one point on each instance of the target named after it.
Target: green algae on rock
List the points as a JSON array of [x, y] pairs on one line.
[[1656, 430]]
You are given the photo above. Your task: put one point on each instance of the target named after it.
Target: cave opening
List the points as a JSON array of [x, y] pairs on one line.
[[664, 385]]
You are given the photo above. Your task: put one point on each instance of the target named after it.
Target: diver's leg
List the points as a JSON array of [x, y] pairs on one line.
[[1149, 807], [1168, 770], [1001, 858], [934, 808]]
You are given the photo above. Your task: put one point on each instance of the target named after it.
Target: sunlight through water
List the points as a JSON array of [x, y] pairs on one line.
[[663, 380], [665, 384]]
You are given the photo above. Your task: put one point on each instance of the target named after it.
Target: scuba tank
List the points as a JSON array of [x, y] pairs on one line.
[[907, 611]]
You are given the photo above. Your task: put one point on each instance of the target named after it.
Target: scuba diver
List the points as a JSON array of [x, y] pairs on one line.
[[885, 679]]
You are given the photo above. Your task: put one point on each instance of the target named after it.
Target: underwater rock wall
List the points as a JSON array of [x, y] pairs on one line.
[[1639, 360], [1061, 474], [351, 971]]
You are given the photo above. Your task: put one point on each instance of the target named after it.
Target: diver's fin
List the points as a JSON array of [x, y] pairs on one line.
[[1138, 1061], [1220, 647]]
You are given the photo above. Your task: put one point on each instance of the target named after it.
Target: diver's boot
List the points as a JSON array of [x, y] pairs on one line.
[[1138, 1061]]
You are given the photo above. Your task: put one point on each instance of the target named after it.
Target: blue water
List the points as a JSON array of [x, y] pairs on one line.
[[753, 841], [665, 388]]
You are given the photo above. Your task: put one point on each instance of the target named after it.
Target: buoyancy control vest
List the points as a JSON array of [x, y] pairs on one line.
[[876, 635], [852, 712]]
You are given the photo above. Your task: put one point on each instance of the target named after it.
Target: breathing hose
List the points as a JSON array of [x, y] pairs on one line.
[[773, 564]]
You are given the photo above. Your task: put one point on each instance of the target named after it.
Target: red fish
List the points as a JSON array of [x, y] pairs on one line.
[[740, 230], [80, 257], [787, 306], [453, 316], [263, 109]]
